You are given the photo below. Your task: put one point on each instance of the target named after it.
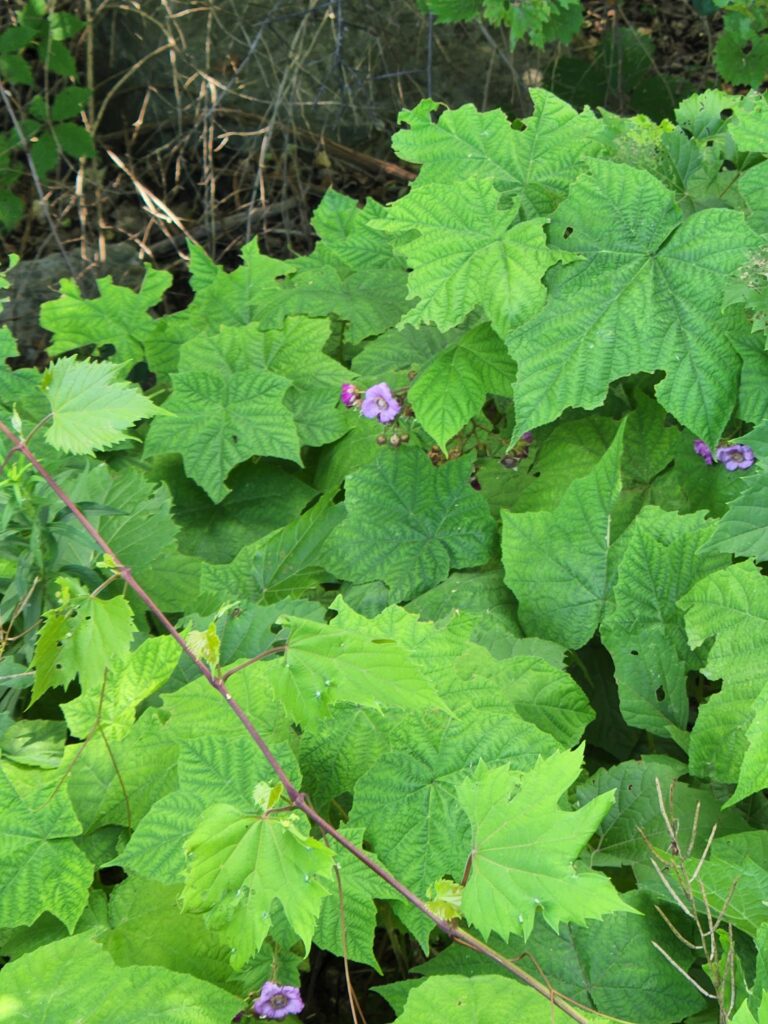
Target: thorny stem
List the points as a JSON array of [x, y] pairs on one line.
[[297, 798]]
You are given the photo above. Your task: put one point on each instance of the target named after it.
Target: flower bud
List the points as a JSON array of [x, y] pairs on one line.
[[350, 395], [394, 440], [381, 439]]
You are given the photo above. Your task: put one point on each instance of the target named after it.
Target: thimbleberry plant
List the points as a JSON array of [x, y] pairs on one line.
[[415, 614]]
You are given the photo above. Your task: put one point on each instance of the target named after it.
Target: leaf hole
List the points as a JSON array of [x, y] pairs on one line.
[[747, 47], [660, 695], [234, 439], [568, 232], [633, 653], [726, 112]]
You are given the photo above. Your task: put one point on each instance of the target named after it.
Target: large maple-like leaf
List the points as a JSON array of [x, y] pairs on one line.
[[524, 847], [562, 590], [347, 928], [728, 738], [742, 530], [40, 866], [408, 523], [326, 664], [224, 412], [644, 630], [75, 979], [453, 386], [488, 999], [286, 563], [466, 254], [647, 296], [118, 316], [537, 164], [239, 863]]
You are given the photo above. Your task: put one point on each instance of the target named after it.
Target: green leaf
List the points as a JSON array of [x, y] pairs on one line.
[[734, 877], [741, 57], [129, 500], [409, 523], [91, 410], [466, 254], [347, 235], [483, 141], [87, 643], [101, 636], [42, 868], [752, 187], [286, 563], [217, 763], [742, 530], [548, 698], [565, 453], [15, 69], [537, 164], [118, 317], [636, 819], [610, 965], [39, 744], [116, 781], [113, 703], [75, 975], [147, 926], [370, 300], [264, 498], [482, 1000], [52, 662], [360, 886], [221, 300], [57, 58], [240, 863], [69, 102], [728, 738], [452, 388], [627, 977], [647, 297], [644, 632], [44, 153], [562, 589], [325, 664], [524, 846], [223, 413], [74, 140], [407, 800], [296, 352]]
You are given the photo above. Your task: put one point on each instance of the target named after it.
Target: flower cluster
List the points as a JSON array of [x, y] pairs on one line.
[[378, 402], [732, 456]]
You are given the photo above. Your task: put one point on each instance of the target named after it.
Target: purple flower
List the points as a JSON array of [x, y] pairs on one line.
[[527, 437], [703, 451], [350, 395], [379, 403], [277, 1001], [735, 456]]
